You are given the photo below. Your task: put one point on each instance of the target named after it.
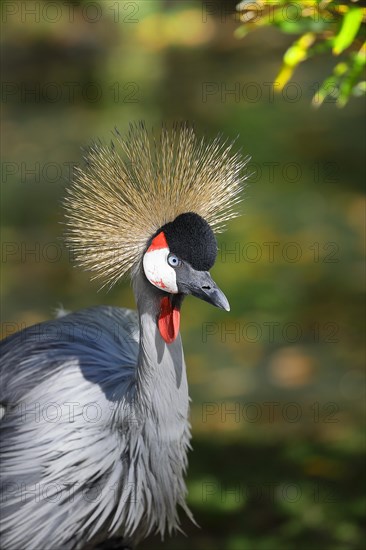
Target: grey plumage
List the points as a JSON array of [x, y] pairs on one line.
[[95, 433], [103, 444]]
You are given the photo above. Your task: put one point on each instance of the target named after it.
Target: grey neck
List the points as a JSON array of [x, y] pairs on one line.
[[161, 377]]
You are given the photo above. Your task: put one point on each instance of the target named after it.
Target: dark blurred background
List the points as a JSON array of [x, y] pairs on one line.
[[277, 384]]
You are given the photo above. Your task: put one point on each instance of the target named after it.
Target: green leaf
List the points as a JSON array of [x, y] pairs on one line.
[[330, 87], [350, 25], [298, 52], [351, 76], [360, 89], [240, 32]]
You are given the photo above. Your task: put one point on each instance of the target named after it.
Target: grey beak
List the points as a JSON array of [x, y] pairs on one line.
[[201, 285]]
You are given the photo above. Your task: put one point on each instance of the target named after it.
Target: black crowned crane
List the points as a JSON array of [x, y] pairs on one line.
[[95, 430]]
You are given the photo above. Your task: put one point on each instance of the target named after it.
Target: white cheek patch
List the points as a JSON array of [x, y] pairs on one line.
[[158, 271]]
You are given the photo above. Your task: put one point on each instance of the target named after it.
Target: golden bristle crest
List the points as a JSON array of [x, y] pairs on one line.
[[129, 189]]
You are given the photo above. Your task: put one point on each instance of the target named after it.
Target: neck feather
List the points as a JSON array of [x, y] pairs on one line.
[[161, 376]]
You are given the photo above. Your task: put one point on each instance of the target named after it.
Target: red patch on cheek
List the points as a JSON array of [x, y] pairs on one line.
[[160, 283], [168, 321]]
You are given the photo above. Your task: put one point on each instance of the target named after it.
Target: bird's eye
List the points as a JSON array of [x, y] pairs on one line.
[[173, 260]]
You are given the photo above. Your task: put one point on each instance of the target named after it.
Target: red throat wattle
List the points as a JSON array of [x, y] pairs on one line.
[[169, 320]]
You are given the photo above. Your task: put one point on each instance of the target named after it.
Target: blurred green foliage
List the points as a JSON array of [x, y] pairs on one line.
[[257, 480], [324, 25]]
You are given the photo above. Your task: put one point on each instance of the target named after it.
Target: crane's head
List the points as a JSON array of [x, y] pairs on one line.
[[177, 261], [150, 202]]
